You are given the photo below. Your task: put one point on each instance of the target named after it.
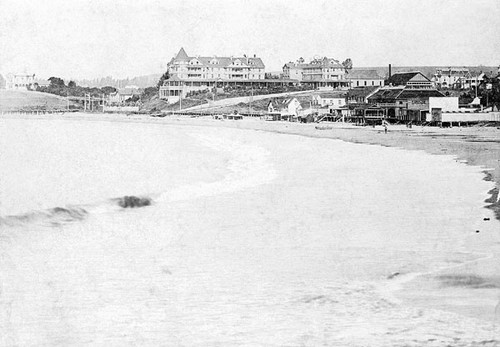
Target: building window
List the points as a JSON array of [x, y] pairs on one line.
[[365, 83]]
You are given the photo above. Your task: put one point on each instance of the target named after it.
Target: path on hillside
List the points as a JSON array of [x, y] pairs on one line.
[[244, 99]]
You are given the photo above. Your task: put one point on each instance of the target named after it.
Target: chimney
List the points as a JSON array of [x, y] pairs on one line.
[[390, 71]]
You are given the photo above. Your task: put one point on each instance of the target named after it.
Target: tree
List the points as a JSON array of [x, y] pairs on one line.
[[71, 84], [108, 90], [149, 92], [347, 64], [56, 82], [163, 78]]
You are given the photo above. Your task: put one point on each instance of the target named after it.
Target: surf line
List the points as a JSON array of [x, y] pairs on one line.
[[248, 166], [388, 289]]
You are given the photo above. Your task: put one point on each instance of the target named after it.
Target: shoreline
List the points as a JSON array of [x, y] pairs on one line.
[[475, 146], [415, 289]]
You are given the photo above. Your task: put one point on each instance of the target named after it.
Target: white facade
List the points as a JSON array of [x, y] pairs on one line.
[[19, 81], [287, 107], [446, 104], [123, 94], [195, 73], [447, 110], [319, 72], [334, 100]]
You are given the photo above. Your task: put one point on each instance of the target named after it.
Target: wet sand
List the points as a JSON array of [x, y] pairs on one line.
[[478, 146]]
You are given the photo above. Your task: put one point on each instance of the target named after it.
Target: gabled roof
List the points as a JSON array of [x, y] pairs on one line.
[[253, 62], [419, 94], [287, 102], [402, 78], [332, 95], [321, 63], [182, 55], [364, 74], [401, 93], [273, 103], [361, 91], [386, 93]]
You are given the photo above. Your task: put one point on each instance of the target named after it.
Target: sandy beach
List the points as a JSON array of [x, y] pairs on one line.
[[260, 233]]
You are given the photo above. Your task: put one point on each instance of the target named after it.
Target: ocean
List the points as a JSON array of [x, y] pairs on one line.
[[249, 238]]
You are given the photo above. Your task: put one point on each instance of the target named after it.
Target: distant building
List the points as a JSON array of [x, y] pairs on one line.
[[447, 110], [123, 94], [335, 99], [319, 72], [286, 109], [19, 81], [449, 77], [289, 107], [40, 83], [413, 80], [209, 68], [195, 73], [405, 97], [470, 81], [364, 78]]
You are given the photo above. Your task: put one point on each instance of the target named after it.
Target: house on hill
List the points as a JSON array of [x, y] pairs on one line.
[[319, 72], [124, 94], [199, 73], [337, 99], [286, 109], [365, 78], [19, 81]]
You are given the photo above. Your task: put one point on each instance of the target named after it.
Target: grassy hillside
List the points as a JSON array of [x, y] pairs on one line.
[[16, 100]]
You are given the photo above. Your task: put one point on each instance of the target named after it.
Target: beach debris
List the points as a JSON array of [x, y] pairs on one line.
[[133, 201], [391, 276], [468, 280]]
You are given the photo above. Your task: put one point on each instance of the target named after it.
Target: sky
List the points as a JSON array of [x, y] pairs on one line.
[[97, 38]]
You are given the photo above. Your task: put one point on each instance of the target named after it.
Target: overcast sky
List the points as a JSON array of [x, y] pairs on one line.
[[90, 38]]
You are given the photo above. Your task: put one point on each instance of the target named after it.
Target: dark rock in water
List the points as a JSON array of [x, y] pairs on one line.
[[133, 202], [391, 276]]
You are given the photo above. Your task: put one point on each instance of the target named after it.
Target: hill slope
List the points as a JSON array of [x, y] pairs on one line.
[[17, 100]]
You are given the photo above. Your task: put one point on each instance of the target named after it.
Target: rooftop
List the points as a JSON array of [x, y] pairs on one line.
[[215, 61], [363, 74], [402, 78]]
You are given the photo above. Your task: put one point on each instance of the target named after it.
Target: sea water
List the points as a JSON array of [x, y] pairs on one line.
[[251, 239]]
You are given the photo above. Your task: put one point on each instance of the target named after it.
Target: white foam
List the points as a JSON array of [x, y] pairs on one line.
[[248, 167]]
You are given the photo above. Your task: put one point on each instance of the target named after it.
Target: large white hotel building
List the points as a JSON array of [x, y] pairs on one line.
[[189, 74]]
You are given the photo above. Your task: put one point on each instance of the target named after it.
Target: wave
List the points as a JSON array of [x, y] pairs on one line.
[[248, 167], [57, 216], [54, 216]]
